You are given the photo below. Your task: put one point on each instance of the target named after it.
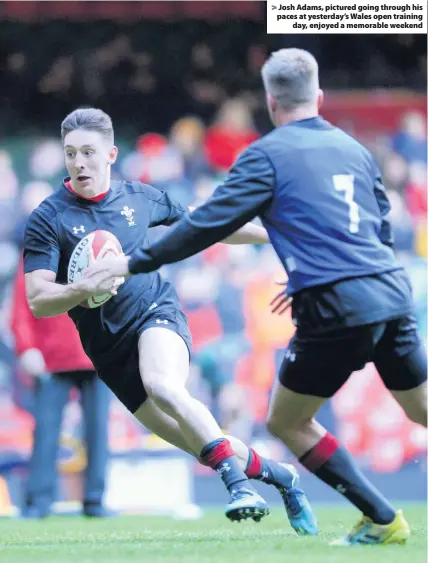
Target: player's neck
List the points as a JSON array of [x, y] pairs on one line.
[[90, 194], [283, 117]]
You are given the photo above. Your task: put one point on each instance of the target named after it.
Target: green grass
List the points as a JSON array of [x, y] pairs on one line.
[[211, 539]]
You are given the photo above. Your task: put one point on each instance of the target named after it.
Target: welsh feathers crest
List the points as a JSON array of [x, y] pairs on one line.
[[128, 213]]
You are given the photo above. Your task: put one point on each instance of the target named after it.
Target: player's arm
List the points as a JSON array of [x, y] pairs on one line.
[[46, 298], [246, 192], [166, 211], [248, 234]]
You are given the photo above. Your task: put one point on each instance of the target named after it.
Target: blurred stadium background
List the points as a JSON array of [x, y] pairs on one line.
[[181, 82]]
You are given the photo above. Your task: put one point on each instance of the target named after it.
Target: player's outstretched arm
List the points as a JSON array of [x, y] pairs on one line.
[[248, 234], [49, 299], [246, 193]]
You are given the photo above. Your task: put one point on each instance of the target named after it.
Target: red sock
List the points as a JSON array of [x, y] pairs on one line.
[[319, 454], [218, 453], [220, 456], [254, 464]]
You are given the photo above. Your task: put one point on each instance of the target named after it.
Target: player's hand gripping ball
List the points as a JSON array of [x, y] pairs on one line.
[[95, 246]]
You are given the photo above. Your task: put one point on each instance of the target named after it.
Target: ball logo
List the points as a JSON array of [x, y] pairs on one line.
[[99, 245], [79, 260]]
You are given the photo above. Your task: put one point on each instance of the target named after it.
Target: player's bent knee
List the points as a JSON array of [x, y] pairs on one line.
[[272, 424], [278, 426], [166, 395], [286, 430]]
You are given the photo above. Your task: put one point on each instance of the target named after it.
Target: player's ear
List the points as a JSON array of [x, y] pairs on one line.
[[271, 102], [113, 155], [320, 99]]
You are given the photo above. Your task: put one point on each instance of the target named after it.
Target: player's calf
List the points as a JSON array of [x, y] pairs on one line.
[[164, 367], [202, 433], [291, 419], [331, 463], [198, 426]]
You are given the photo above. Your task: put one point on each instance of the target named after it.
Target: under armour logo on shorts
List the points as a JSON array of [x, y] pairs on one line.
[[291, 356]]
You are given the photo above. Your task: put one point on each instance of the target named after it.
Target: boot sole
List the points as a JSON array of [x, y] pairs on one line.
[[250, 512]]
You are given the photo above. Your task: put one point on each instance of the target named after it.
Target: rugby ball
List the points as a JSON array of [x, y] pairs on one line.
[[99, 244]]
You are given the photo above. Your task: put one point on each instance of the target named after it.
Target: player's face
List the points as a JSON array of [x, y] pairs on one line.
[[88, 158]]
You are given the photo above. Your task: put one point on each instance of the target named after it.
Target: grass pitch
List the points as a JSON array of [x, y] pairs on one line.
[[163, 540]]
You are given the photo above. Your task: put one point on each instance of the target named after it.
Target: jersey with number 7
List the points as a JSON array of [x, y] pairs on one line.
[[327, 220], [320, 196]]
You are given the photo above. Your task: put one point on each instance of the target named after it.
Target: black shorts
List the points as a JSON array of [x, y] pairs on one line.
[[320, 364], [123, 375]]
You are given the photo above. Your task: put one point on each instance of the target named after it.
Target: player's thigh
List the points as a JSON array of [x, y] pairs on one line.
[[124, 379], [401, 361], [400, 357], [289, 410], [318, 365], [414, 403], [163, 359]]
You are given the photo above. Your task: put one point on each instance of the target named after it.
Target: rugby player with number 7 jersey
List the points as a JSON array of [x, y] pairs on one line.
[[320, 196]]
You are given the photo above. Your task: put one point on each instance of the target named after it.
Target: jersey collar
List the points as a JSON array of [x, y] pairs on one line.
[[99, 197], [316, 122]]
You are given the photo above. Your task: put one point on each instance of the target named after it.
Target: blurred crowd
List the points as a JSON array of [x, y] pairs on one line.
[[149, 83], [183, 110], [226, 289]]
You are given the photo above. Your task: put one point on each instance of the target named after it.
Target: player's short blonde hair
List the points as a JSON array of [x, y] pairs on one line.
[[89, 119], [291, 77]]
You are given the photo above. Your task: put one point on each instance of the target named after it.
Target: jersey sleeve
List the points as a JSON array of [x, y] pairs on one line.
[[246, 193], [386, 235], [164, 210], [41, 243]]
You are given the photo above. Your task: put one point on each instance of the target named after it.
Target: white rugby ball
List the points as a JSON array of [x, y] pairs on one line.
[[103, 244]]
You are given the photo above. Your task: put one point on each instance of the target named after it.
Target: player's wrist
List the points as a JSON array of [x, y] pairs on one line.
[[80, 290], [124, 266], [140, 262]]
